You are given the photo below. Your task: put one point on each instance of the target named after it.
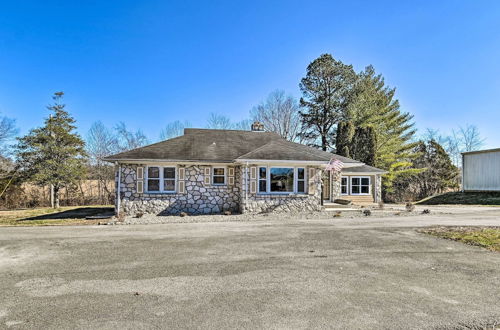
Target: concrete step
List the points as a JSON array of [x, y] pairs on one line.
[[336, 206], [340, 209]]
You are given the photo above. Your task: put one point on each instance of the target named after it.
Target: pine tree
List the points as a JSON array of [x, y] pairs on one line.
[[363, 145], [345, 134], [436, 173], [374, 104], [53, 154], [326, 89]]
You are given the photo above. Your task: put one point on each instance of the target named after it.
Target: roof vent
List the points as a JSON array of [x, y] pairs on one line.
[[257, 127]]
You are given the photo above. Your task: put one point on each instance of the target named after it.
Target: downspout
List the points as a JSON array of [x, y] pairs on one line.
[[118, 198]]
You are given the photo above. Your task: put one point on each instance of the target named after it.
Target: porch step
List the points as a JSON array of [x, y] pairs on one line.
[[335, 206], [340, 209]]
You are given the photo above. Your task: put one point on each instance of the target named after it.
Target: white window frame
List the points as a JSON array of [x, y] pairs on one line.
[[225, 175], [347, 185], [259, 179], [360, 178], [296, 180], [161, 178]]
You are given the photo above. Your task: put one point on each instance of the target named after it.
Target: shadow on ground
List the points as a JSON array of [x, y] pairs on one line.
[[78, 213]]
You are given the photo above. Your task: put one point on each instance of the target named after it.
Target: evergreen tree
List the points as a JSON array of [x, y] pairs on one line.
[[374, 104], [436, 173], [345, 134], [326, 89], [53, 154]]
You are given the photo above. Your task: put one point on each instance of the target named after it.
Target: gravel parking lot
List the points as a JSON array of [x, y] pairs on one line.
[[364, 273]]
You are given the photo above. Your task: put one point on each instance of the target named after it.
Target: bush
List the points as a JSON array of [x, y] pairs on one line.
[[410, 207], [426, 211], [367, 213]]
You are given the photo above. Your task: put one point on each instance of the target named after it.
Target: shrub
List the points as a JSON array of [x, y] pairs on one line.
[[410, 207], [367, 213], [426, 211]]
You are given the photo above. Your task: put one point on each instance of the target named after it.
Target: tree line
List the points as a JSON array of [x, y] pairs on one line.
[[353, 114]]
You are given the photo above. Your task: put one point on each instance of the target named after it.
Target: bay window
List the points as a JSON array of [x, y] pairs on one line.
[[161, 179], [281, 179]]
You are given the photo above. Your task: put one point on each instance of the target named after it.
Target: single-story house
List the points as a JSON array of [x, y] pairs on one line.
[[211, 171], [481, 170]]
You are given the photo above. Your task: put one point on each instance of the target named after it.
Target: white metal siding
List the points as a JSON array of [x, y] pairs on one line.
[[482, 171]]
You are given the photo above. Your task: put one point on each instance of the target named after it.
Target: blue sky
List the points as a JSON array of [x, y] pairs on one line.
[[148, 63]]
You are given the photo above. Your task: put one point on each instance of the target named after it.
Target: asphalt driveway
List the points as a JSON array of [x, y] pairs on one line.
[[356, 274]]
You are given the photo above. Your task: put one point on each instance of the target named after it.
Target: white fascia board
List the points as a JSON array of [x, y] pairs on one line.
[[277, 162]]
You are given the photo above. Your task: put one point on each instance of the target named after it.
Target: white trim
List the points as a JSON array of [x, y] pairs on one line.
[[225, 175], [268, 181], [347, 185], [360, 178], [161, 178]]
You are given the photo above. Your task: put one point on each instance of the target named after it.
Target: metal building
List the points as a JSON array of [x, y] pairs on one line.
[[481, 170]]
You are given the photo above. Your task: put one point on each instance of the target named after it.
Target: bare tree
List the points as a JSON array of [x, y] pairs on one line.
[[8, 130], [280, 114], [470, 138], [101, 142], [464, 139], [128, 140], [218, 121], [174, 129]]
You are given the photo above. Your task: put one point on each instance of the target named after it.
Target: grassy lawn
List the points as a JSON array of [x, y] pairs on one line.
[[465, 198], [487, 237], [46, 216]]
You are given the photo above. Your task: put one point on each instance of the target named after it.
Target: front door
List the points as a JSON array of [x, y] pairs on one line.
[[326, 186]]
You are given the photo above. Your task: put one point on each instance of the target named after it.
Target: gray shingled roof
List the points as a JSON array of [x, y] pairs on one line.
[[226, 146], [363, 169]]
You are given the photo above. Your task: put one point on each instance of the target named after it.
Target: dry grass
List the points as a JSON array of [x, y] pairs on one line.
[[46, 216], [465, 198], [487, 237]]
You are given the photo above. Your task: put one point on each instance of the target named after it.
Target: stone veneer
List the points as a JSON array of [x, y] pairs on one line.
[[197, 199], [205, 199]]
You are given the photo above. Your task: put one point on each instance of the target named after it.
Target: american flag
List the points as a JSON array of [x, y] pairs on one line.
[[334, 165]]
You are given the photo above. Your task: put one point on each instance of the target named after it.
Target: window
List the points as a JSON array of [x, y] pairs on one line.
[[281, 179], [262, 179], [169, 179], [301, 180], [153, 179], [219, 176], [344, 186], [360, 185], [161, 179]]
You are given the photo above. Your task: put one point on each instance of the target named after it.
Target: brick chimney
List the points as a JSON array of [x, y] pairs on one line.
[[257, 127]]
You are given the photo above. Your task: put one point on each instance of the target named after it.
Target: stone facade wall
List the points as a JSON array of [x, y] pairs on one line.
[[263, 203], [197, 199], [205, 199]]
